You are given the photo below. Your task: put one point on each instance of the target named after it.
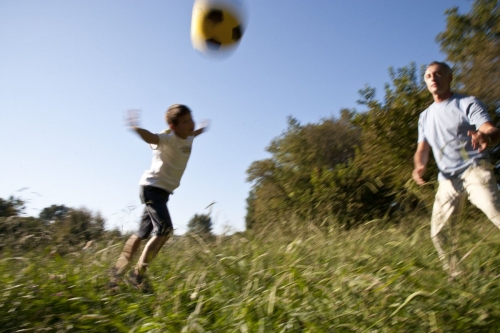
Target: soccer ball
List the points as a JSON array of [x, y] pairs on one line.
[[216, 26]]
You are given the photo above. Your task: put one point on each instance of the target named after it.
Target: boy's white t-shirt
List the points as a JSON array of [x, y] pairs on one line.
[[170, 157]]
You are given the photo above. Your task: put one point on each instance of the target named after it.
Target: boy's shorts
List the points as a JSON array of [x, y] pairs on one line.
[[155, 219]]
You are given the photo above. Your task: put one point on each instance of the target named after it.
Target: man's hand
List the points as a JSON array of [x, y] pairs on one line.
[[479, 140], [132, 118], [418, 173], [420, 161]]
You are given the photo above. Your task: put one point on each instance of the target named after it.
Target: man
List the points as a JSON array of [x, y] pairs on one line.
[[458, 129]]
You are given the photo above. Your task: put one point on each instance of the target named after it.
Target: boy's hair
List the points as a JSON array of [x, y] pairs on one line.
[[175, 112], [443, 65]]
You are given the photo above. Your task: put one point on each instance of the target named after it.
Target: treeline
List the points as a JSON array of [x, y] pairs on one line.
[[57, 228], [65, 229], [357, 167]]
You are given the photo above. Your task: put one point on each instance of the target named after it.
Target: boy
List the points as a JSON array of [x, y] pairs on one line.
[[171, 150]]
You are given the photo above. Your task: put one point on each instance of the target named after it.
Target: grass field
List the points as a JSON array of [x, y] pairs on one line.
[[372, 279]]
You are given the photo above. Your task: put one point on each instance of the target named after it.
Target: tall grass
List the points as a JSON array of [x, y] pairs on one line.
[[371, 279]]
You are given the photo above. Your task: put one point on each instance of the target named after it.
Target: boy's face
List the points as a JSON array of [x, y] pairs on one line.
[[184, 127]]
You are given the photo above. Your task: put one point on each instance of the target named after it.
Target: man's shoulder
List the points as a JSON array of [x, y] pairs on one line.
[[462, 98], [468, 102], [456, 100], [423, 114]]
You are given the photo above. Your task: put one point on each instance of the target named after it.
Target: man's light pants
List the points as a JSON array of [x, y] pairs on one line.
[[478, 182]]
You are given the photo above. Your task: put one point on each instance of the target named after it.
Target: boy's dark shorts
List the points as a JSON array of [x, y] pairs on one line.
[[155, 219]]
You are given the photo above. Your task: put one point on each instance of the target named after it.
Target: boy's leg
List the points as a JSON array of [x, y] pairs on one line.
[[156, 208], [129, 249], [150, 251], [481, 186], [133, 243], [447, 209]]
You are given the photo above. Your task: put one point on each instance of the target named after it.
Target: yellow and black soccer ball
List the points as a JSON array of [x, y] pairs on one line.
[[215, 27]]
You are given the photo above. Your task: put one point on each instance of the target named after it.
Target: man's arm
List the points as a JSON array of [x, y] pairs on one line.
[[487, 135], [420, 160], [132, 122]]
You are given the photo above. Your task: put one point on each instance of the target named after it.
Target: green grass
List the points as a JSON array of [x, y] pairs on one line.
[[371, 279]]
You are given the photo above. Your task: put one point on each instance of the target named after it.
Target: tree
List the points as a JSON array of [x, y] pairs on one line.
[[79, 225], [11, 207], [250, 215], [349, 170], [200, 224], [53, 213], [16, 226], [283, 186], [389, 136], [390, 128], [471, 42]]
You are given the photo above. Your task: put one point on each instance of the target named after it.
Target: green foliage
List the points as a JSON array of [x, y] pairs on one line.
[[389, 135], [359, 167], [472, 43], [79, 225], [250, 215], [346, 171], [26, 233], [11, 207], [57, 226], [200, 224], [53, 213], [365, 280], [283, 184]]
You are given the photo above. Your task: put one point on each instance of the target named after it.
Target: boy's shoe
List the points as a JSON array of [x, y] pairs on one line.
[[114, 279], [140, 282], [115, 274]]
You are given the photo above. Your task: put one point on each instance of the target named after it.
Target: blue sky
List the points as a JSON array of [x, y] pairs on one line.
[[69, 69]]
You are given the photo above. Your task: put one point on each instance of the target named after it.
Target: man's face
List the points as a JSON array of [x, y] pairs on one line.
[[438, 79], [184, 127]]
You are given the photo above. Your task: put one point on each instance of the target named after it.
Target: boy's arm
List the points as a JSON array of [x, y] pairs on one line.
[[203, 127], [146, 135], [132, 122], [198, 132]]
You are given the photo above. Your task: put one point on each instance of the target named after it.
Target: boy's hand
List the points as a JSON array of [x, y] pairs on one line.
[[132, 121], [132, 118], [204, 124]]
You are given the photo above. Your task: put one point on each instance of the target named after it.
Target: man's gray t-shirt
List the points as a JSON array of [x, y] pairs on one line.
[[445, 125]]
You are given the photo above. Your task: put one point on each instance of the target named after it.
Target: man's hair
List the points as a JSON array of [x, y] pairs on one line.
[[175, 112], [447, 69]]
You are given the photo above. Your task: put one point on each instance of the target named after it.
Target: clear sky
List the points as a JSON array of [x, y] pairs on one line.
[[69, 69]]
